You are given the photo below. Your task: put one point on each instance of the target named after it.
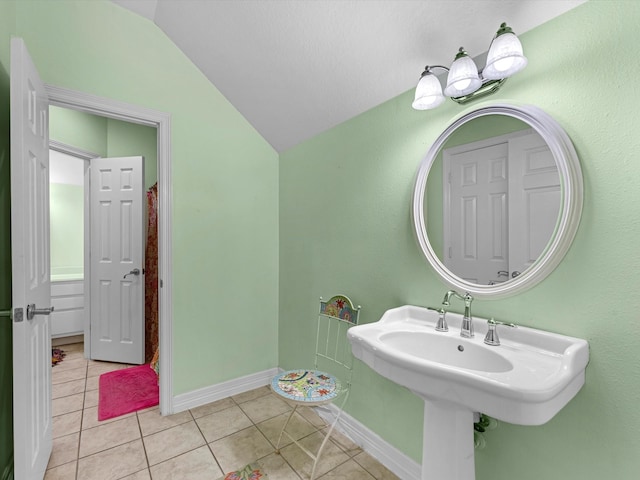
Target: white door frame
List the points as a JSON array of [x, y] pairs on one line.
[[86, 156], [105, 107]]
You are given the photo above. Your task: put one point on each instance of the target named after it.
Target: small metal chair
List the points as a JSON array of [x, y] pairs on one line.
[[316, 387]]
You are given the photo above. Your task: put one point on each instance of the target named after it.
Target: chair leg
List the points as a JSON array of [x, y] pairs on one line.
[[326, 438], [295, 407]]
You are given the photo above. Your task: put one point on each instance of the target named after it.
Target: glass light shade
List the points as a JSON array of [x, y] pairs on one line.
[[504, 58], [428, 93], [463, 77]]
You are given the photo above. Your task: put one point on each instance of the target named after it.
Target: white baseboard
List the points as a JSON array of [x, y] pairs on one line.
[[56, 342], [213, 393], [403, 466]]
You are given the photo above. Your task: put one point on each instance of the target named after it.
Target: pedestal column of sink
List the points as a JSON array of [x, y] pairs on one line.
[[447, 442]]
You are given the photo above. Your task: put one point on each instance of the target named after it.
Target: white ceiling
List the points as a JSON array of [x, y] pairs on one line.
[[295, 68]]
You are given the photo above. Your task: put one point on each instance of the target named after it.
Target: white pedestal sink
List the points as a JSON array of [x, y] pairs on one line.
[[526, 380]]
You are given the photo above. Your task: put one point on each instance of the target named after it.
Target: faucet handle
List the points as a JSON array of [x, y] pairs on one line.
[[441, 326], [491, 338]]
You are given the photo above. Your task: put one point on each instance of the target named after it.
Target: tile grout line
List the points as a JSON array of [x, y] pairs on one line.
[[183, 453], [215, 459], [81, 420], [144, 447], [282, 457], [86, 380]]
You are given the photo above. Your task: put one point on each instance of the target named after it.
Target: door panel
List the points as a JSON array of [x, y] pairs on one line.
[[30, 266], [117, 249], [476, 231]]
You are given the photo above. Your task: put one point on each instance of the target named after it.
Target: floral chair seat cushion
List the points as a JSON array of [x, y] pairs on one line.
[[307, 386]]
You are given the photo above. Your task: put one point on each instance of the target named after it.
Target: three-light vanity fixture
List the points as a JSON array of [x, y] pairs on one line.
[[465, 81]]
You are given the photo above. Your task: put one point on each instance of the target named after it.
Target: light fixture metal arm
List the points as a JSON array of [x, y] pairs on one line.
[[488, 87], [429, 69], [465, 82]]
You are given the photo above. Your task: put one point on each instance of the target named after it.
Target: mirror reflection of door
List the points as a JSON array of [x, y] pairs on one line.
[[500, 206]]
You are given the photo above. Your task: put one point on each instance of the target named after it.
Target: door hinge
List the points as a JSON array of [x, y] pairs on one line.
[[160, 283]]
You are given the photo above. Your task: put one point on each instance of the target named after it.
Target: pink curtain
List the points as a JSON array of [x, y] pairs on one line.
[[151, 275]]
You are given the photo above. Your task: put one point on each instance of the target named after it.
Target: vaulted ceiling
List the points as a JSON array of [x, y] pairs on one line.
[[295, 68]]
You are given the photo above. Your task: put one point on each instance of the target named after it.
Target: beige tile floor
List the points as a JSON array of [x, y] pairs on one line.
[[201, 443]]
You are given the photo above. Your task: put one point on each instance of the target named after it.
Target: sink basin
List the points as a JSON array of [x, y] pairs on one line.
[[452, 351], [526, 380]]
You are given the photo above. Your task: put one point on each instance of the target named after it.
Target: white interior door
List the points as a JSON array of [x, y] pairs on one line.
[[117, 259], [475, 213], [31, 288], [534, 200], [501, 204]]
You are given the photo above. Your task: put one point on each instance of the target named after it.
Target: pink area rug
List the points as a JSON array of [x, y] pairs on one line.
[[127, 390]]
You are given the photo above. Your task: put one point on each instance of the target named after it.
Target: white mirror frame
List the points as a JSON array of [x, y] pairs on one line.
[[571, 201]]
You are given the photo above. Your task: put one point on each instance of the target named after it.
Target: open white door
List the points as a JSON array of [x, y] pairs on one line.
[[475, 212], [30, 267], [117, 259]]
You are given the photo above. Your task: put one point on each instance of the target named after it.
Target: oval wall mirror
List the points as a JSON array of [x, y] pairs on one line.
[[498, 199]]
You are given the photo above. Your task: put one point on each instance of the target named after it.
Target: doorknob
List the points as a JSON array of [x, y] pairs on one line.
[[32, 311], [515, 274], [135, 271]]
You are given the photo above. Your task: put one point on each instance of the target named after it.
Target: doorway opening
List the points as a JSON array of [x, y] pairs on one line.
[[68, 168], [110, 109]]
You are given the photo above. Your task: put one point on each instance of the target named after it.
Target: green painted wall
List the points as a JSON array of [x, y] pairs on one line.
[[7, 24], [78, 129], [345, 226], [224, 180]]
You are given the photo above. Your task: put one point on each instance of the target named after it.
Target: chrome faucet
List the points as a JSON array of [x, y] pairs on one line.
[[492, 333], [466, 329], [441, 326]]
